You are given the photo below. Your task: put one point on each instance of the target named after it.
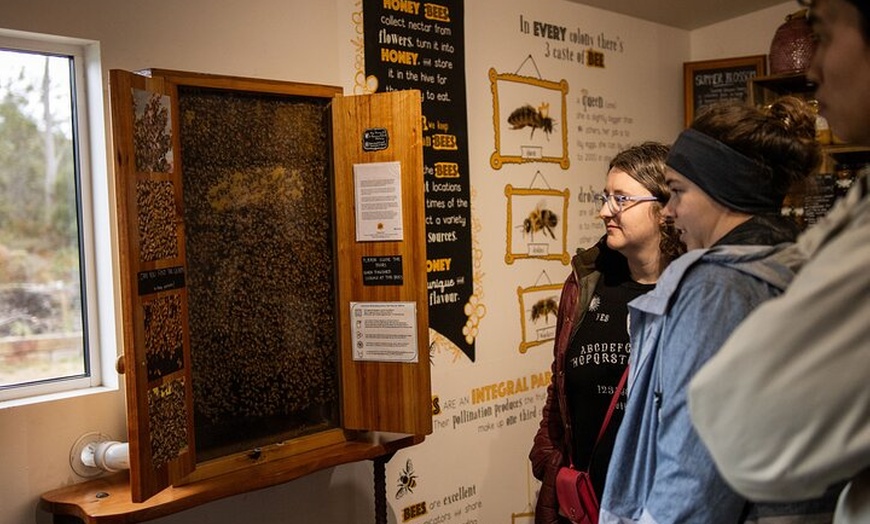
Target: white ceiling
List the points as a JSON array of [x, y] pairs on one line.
[[685, 14]]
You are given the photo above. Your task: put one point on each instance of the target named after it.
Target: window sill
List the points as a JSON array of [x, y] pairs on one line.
[[52, 397]]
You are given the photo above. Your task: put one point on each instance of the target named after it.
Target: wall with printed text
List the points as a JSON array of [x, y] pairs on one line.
[[553, 91]]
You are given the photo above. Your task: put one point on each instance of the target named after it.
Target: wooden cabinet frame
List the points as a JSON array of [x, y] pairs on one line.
[[383, 405]]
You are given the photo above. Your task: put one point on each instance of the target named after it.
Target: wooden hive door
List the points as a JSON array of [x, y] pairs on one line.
[[384, 128], [152, 272]]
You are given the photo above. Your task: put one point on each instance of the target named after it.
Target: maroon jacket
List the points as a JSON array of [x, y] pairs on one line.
[[552, 446]]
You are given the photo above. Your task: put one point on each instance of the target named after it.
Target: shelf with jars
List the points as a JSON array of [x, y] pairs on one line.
[[841, 161]]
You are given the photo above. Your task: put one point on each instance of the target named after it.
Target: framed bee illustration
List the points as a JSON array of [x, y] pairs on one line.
[[537, 224], [526, 517], [538, 308], [529, 117]]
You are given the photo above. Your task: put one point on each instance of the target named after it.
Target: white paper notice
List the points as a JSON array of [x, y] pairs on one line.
[[378, 193], [384, 331]]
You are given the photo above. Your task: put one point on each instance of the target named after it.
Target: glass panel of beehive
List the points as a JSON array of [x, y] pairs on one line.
[[157, 232], [164, 336], [257, 212], [168, 421]]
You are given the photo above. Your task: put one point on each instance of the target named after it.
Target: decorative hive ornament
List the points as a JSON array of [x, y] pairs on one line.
[[793, 45]]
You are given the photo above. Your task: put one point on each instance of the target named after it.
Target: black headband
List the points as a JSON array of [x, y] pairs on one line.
[[729, 177]]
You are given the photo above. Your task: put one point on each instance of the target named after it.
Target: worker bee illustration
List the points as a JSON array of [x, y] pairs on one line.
[[544, 308], [407, 480], [528, 116], [540, 219]]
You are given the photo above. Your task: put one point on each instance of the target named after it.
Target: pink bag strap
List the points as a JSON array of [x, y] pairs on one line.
[[613, 401], [610, 409], [604, 424]]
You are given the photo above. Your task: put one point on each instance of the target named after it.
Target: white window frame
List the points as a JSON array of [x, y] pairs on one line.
[[96, 219]]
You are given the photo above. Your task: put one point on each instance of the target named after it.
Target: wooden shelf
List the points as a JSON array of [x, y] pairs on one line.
[[107, 500], [763, 89], [848, 154]]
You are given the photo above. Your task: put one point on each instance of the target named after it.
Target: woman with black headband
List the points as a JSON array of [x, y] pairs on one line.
[[728, 175]]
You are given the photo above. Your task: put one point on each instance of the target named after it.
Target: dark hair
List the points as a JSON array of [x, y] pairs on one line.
[[646, 164], [780, 136], [863, 11]]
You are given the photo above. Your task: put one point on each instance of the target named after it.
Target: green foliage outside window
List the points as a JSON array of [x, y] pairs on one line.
[[40, 278]]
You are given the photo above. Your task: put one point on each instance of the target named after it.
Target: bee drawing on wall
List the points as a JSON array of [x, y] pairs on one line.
[[407, 480], [544, 308], [528, 116], [540, 219]]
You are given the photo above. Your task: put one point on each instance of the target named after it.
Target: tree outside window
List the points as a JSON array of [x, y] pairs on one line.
[[42, 309]]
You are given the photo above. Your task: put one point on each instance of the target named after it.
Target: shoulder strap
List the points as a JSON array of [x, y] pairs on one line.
[[610, 409], [613, 401]]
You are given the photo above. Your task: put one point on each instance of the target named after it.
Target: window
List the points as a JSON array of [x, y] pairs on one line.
[[55, 315]]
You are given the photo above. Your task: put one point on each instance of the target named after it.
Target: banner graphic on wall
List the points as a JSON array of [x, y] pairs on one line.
[[417, 45]]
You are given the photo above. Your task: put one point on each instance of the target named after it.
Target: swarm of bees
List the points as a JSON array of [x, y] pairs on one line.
[[544, 308], [167, 417], [540, 219], [528, 116], [163, 336], [260, 270], [158, 232], [407, 480]]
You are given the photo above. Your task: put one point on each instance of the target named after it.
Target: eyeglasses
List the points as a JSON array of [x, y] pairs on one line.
[[616, 203]]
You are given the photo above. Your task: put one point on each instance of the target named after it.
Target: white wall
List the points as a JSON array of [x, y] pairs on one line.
[[272, 39], [312, 42]]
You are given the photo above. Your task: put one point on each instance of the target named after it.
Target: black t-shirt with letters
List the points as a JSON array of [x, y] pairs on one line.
[[595, 361]]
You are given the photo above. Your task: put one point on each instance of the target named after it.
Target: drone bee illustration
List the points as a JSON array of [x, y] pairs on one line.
[[540, 219], [544, 308], [407, 480], [528, 116]]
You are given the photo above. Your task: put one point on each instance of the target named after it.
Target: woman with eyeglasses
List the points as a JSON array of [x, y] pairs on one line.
[[728, 175], [591, 342]]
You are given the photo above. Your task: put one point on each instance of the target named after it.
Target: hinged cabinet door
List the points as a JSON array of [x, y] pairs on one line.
[[152, 276], [368, 129]]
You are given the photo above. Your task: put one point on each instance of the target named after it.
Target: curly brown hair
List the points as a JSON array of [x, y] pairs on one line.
[[646, 164], [780, 136]]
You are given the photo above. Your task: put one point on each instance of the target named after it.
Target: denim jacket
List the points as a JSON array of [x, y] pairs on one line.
[[660, 471]]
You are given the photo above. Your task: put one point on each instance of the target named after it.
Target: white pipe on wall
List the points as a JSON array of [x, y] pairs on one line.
[[96, 453], [107, 455]]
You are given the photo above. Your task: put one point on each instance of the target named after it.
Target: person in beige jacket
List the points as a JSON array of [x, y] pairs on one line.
[[784, 406]]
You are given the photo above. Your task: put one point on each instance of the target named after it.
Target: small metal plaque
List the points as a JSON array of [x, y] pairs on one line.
[[382, 271], [156, 280], [376, 139]]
